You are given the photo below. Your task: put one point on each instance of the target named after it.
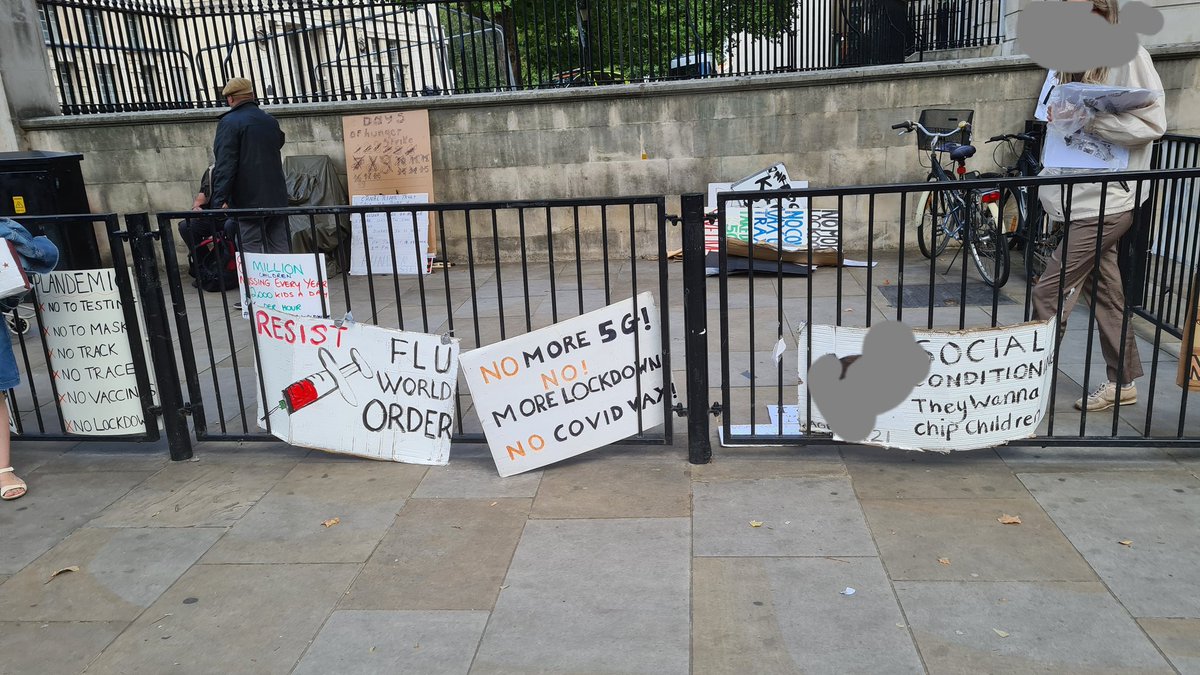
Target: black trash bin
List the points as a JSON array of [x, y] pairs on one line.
[[38, 183]]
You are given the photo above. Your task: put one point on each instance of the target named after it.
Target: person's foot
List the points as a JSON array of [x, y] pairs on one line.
[[11, 487], [237, 306], [1105, 397]]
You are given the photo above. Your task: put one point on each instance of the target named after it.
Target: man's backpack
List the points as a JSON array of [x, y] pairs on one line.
[[214, 264]]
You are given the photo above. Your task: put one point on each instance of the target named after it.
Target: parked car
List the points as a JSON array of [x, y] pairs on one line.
[[578, 77]]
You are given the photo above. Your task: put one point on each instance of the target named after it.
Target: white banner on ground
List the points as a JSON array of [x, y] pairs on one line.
[[91, 362], [572, 387], [357, 389], [293, 283], [399, 244], [985, 386]]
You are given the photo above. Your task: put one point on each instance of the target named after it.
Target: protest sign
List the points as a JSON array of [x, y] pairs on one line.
[[572, 387], [985, 386], [357, 389], [390, 243], [294, 283], [91, 362], [389, 153], [1188, 371]]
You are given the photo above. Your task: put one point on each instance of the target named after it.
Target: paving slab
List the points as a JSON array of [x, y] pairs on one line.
[[441, 554], [815, 516], [86, 458], [27, 456], [749, 463], [55, 505], [56, 647], [788, 615], [386, 642], [287, 524], [194, 494], [1028, 459], [121, 572], [886, 473], [1178, 639], [604, 487], [593, 595], [913, 534], [1052, 627], [475, 478], [1157, 575], [229, 619]]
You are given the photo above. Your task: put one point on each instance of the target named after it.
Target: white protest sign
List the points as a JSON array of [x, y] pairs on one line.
[[89, 354], [985, 386], [357, 389], [294, 283], [572, 387], [774, 177], [399, 244]]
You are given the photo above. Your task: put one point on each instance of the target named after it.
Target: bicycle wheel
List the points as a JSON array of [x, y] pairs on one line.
[[1012, 216], [988, 247], [1043, 243], [931, 233]]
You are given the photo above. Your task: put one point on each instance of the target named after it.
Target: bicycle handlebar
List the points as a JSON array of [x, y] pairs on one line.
[[908, 127], [1004, 137]]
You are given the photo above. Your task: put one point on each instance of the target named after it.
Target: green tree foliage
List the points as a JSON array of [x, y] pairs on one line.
[[633, 39]]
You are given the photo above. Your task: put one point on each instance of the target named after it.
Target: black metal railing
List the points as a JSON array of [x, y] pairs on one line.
[[764, 303], [131, 55], [527, 265], [67, 338]]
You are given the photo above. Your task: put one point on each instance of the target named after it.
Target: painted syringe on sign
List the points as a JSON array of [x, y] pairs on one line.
[[317, 386]]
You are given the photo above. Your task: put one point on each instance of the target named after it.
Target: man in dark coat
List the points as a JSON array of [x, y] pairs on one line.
[[248, 172]]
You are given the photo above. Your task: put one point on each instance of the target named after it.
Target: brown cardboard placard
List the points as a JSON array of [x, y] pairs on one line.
[[389, 153], [1189, 350]]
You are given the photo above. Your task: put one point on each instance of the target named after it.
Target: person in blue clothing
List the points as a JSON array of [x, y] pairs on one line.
[[248, 169], [38, 256]]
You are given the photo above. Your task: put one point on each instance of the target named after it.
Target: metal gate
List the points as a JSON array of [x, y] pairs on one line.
[[763, 303], [526, 265]]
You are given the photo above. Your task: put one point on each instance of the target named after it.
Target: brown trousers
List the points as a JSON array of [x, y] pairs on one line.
[[1108, 295]]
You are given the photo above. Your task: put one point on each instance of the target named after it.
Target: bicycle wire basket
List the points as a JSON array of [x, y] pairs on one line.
[[939, 121]]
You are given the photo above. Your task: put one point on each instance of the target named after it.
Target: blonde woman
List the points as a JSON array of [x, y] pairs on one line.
[[1135, 130]]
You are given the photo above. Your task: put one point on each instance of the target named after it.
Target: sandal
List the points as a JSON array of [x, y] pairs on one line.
[[8, 489]]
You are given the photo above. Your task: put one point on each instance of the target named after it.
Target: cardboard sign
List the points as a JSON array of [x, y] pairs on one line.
[[390, 240], [89, 354], [795, 222], [572, 387], [1189, 350], [389, 153], [985, 386], [774, 177], [13, 280], [294, 283], [357, 389]]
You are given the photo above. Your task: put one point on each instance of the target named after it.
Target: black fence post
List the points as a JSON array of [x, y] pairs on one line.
[[695, 321], [158, 330]]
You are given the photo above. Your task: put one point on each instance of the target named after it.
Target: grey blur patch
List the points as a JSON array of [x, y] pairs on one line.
[[1068, 37], [853, 391]]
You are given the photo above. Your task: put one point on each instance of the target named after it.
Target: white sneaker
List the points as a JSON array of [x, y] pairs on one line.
[[1104, 397]]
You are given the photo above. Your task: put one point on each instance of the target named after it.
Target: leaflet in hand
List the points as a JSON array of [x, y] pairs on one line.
[[1103, 98]]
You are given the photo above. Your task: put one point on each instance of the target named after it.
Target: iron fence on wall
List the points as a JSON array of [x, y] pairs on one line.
[[133, 55]]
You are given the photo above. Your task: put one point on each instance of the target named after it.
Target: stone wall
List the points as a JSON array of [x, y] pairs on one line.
[[830, 128]]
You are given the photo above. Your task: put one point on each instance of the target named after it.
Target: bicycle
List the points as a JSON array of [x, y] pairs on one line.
[[1030, 228], [968, 216]]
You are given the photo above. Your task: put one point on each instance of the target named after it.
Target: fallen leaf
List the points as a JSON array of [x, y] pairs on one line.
[[1126, 542], [493, 503], [72, 568], [944, 561], [848, 310], [331, 522], [756, 523], [504, 587], [1009, 520], [1000, 632], [372, 649]]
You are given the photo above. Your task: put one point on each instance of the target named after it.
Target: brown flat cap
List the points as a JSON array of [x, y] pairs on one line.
[[237, 86]]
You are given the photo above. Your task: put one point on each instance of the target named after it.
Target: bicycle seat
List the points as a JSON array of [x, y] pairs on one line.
[[958, 152]]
